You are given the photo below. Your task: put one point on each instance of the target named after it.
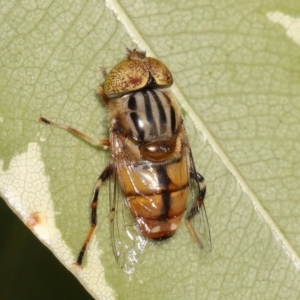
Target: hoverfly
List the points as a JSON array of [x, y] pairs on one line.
[[152, 169]]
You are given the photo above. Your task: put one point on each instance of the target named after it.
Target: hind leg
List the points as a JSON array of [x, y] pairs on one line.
[[108, 171], [197, 207]]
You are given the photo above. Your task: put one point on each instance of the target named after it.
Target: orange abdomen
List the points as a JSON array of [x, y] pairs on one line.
[[157, 194]]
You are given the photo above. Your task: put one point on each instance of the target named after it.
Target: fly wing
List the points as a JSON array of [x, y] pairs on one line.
[[196, 212], [127, 242]]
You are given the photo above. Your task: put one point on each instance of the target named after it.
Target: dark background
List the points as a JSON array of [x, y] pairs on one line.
[[28, 270]]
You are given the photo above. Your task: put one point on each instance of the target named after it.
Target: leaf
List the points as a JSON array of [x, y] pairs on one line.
[[236, 69]]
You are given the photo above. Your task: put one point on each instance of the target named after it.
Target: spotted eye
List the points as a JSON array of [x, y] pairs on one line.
[[126, 77], [159, 72], [135, 73]]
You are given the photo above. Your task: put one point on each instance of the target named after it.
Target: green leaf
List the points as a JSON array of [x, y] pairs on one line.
[[237, 77]]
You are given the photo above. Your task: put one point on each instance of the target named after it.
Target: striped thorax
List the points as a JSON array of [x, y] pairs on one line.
[[149, 115]]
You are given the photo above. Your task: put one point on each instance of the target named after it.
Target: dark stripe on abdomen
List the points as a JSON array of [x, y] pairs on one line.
[[164, 181]]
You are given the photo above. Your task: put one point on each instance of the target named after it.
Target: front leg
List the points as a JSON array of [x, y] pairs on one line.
[[82, 135], [104, 142]]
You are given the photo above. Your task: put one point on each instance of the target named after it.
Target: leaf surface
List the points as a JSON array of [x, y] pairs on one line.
[[237, 78]]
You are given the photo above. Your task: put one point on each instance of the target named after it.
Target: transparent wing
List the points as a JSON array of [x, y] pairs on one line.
[[196, 216], [127, 242]]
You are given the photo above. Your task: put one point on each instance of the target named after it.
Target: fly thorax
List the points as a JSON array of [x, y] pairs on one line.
[[149, 115]]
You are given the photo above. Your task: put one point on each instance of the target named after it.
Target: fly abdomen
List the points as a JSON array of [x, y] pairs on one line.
[[158, 216], [156, 194]]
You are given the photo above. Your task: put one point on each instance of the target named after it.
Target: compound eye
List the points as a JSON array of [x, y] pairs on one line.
[[126, 77], [159, 72]]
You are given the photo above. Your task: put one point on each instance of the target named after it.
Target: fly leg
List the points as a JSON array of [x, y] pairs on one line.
[[102, 93], [108, 171], [104, 142], [197, 205]]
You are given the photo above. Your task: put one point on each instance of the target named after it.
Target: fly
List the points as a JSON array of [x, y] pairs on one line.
[[153, 179]]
